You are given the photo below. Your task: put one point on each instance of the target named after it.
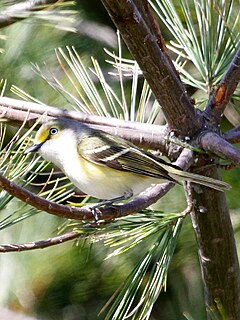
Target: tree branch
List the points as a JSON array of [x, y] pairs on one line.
[[39, 109], [233, 135], [4, 248], [221, 96], [139, 203], [212, 142], [157, 68], [217, 252], [108, 214], [146, 12], [142, 134]]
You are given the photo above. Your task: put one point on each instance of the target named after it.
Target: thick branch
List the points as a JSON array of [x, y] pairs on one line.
[[217, 251], [146, 12], [215, 237], [157, 68], [141, 134], [139, 203], [107, 213], [39, 109], [212, 142], [221, 96], [233, 135]]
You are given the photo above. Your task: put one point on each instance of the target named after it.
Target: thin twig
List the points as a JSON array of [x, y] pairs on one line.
[[189, 198], [4, 248]]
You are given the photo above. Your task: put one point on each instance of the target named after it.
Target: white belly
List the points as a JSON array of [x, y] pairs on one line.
[[105, 183]]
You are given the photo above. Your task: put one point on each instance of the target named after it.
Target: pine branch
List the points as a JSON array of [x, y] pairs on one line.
[[86, 231], [142, 134], [5, 248]]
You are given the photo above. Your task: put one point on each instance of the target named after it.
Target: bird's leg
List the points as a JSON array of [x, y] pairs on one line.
[[105, 203], [95, 207]]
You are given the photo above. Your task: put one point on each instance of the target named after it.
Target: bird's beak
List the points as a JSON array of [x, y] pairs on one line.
[[33, 148]]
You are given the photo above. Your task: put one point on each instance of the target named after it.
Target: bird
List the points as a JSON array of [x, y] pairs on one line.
[[106, 166]]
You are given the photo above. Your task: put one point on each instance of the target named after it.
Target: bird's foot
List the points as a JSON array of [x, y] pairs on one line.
[[107, 203]]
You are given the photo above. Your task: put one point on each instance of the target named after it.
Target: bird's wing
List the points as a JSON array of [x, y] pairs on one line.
[[121, 155]]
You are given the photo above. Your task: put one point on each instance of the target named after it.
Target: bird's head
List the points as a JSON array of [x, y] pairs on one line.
[[55, 137], [48, 132]]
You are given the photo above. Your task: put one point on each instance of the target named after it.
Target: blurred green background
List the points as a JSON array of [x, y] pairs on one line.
[[69, 281]]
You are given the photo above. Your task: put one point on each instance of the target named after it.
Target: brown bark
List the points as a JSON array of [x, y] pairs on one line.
[[221, 96], [217, 254]]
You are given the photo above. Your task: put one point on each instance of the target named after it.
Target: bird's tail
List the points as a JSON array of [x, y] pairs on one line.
[[199, 179]]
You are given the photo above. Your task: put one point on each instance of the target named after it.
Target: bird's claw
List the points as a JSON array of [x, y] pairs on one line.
[[96, 213]]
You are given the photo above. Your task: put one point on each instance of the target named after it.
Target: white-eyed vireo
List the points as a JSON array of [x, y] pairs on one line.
[[106, 166]]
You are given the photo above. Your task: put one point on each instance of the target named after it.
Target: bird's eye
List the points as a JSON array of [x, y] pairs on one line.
[[53, 131]]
